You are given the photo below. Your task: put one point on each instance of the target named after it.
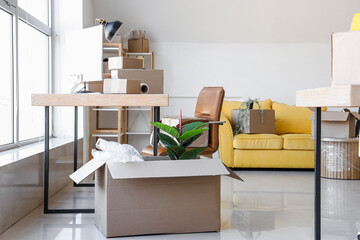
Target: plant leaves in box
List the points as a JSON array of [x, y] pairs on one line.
[[167, 140], [191, 133], [166, 128], [177, 150], [191, 154], [189, 141], [171, 154], [193, 126]]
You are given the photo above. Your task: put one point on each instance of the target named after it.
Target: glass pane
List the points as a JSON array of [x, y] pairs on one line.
[[6, 126], [37, 8], [33, 78]]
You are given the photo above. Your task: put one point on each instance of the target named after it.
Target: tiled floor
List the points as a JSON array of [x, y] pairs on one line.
[[269, 205]]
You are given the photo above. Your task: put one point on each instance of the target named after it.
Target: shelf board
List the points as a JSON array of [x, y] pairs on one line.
[[115, 109], [105, 135], [139, 54], [138, 133], [107, 44]]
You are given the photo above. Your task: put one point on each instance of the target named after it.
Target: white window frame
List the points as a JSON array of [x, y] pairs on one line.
[[19, 14]]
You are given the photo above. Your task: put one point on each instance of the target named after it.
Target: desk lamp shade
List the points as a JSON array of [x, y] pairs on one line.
[[110, 28]]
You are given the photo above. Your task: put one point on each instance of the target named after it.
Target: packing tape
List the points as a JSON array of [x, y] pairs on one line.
[[144, 88]]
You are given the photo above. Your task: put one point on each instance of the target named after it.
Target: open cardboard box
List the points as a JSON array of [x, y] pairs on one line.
[[153, 197]]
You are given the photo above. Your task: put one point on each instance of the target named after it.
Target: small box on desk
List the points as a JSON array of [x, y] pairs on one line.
[[254, 120], [121, 86], [140, 45], [154, 197], [124, 63], [336, 124]]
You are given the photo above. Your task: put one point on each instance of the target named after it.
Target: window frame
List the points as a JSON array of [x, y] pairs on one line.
[[19, 14]]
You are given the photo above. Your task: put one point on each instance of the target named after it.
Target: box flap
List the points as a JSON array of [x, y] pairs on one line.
[[167, 168], [356, 115], [86, 170], [332, 116], [232, 174]]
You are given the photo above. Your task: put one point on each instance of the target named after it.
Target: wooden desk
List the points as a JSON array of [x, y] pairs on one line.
[[91, 100], [336, 96]]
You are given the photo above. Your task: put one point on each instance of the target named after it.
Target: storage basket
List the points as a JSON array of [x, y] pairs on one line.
[[340, 158]]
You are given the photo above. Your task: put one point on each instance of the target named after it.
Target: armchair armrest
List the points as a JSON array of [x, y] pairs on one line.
[[226, 149]]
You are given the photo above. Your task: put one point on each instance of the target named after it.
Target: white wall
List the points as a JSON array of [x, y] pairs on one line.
[[254, 48]]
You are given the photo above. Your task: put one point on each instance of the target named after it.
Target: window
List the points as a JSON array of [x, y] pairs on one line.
[[6, 96], [24, 69]]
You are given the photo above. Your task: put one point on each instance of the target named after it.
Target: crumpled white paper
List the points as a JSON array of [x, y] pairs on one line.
[[115, 152]]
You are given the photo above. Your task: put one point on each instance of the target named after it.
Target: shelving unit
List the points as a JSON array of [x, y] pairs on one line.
[[122, 131]]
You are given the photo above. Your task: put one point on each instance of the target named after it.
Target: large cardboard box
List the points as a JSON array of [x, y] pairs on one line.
[[121, 86], [140, 45], [336, 124], [153, 197], [345, 58], [253, 122], [121, 62], [202, 141], [152, 80]]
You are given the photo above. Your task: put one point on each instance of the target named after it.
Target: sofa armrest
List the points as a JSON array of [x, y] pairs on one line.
[[226, 149]]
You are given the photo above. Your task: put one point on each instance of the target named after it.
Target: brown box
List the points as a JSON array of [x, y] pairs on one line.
[[345, 58], [152, 80], [202, 141], [336, 124], [153, 197], [95, 86], [121, 86], [124, 63], [253, 123], [140, 45]]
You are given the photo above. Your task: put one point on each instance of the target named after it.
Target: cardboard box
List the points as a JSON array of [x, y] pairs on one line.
[[152, 80], [154, 197], [345, 58], [336, 124], [202, 141], [95, 86], [124, 63], [140, 45], [253, 123], [121, 86]]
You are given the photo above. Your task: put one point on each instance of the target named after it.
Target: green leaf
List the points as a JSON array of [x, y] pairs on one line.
[[171, 154], [167, 140], [166, 128], [191, 154], [191, 133], [177, 150], [176, 129], [192, 126], [189, 141]]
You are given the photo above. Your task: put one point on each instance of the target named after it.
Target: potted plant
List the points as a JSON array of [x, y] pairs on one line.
[[243, 117], [177, 140]]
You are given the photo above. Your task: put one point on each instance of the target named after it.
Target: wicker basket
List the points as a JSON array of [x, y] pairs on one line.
[[340, 158]]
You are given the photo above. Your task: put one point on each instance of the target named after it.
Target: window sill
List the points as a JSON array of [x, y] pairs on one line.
[[17, 154]]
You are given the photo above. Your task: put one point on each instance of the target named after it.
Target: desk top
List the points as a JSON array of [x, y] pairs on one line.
[[92, 100], [335, 96]]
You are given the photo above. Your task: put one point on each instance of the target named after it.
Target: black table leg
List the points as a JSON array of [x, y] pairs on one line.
[[317, 178], [76, 120], [156, 130], [46, 168]]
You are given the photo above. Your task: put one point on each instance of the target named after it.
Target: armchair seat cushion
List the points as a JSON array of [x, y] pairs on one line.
[[258, 141], [298, 142]]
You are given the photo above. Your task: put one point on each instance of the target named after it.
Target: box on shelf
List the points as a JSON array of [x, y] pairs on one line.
[[121, 86], [152, 80], [336, 124], [140, 45], [254, 122], [95, 86], [345, 58], [153, 197], [122, 62], [202, 141]]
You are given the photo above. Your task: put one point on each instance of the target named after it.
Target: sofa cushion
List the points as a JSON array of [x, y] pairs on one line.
[[291, 119], [266, 104], [298, 142], [258, 141]]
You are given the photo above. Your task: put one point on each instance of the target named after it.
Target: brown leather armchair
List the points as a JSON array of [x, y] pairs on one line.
[[208, 109]]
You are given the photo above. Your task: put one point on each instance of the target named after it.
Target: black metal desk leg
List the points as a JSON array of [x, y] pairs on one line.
[[156, 130], [317, 178], [46, 161]]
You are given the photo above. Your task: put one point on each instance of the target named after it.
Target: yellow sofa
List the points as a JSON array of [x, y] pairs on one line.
[[290, 147]]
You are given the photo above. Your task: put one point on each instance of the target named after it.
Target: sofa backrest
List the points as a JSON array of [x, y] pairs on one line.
[[288, 119]]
